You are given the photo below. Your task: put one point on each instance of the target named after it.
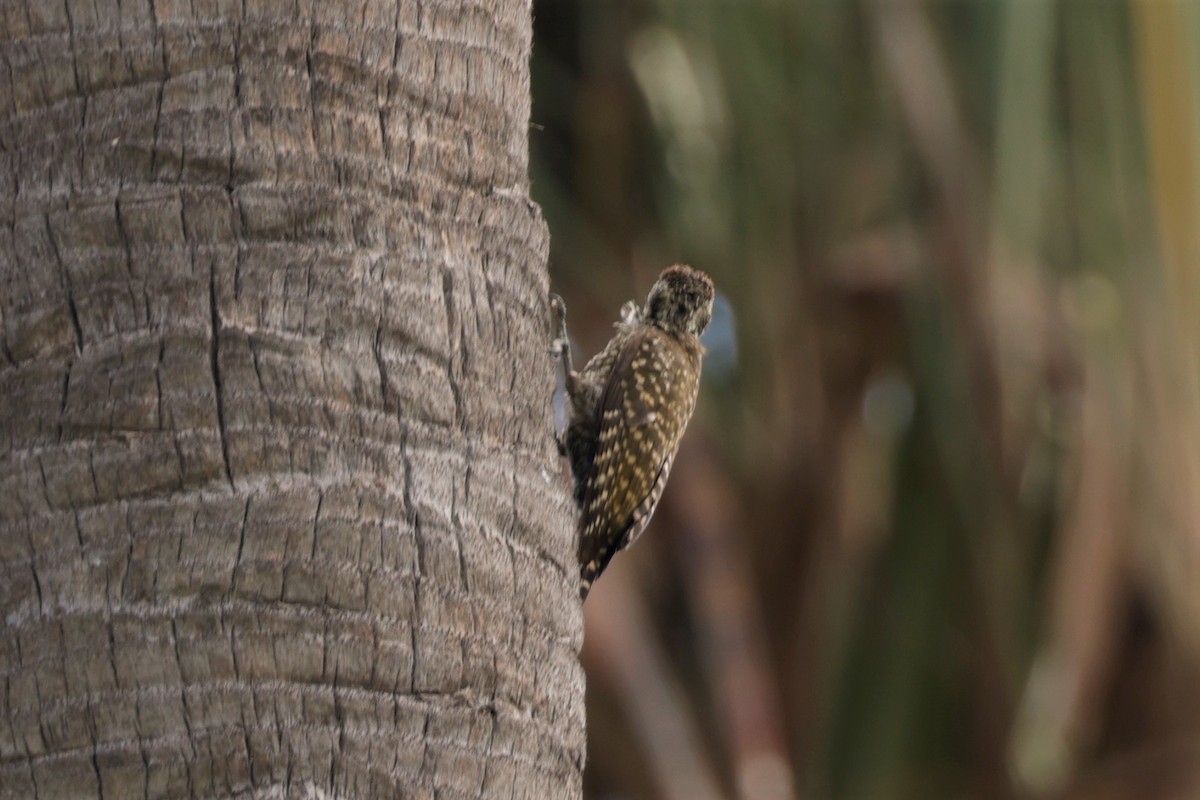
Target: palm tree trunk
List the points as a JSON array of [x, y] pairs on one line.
[[278, 507]]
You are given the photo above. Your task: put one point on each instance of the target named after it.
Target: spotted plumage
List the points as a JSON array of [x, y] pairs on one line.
[[628, 410]]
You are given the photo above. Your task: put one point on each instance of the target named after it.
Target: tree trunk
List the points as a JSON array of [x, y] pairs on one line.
[[279, 510]]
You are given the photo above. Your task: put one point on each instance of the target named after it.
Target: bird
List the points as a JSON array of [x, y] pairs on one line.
[[628, 409]]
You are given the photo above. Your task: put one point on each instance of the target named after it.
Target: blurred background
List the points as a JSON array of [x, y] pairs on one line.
[[935, 529]]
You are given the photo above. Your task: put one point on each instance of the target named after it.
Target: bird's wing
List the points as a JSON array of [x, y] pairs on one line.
[[642, 414]]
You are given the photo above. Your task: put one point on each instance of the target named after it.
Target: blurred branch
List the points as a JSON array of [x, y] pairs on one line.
[[620, 648], [1060, 710], [730, 624], [1023, 183], [1023, 135], [913, 65]]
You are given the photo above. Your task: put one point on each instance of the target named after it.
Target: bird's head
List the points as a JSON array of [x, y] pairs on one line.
[[681, 301]]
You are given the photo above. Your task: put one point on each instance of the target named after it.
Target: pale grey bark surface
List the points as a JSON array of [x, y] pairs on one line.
[[279, 507]]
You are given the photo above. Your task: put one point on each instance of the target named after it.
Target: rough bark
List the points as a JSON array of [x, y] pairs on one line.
[[277, 514]]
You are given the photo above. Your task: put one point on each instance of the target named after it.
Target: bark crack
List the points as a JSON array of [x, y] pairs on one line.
[[37, 584], [158, 98], [158, 103], [312, 84], [125, 244], [377, 350], [68, 284], [455, 343], [4, 351], [45, 483], [158, 406], [316, 525], [241, 537], [490, 751], [237, 90], [96, 769], [62, 408], [215, 358], [187, 711], [71, 40]]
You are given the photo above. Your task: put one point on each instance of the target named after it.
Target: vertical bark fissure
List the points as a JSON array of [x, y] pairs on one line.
[[78, 531], [312, 85], [491, 742], [377, 352], [83, 124], [96, 768], [340, 722], [71, 46], [456, 504], [145, 772], [68, 284], [62, 406], [158, 102], [215, 364], [37, 582], [452, 342], [12, 218], [158, 392], [4, 350], [12, 98], [237, 561], [246, 728], [45, 483], [157, 40], [235, 112], [91, 465], [127, 249], [256, 365]]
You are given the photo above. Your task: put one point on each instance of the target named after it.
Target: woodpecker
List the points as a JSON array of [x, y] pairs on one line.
[[627, 411]]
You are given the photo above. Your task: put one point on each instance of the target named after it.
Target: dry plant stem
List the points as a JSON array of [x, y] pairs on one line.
[[730, 625], [926, 98], [1089, 600], [915, 67], [622, 651]]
